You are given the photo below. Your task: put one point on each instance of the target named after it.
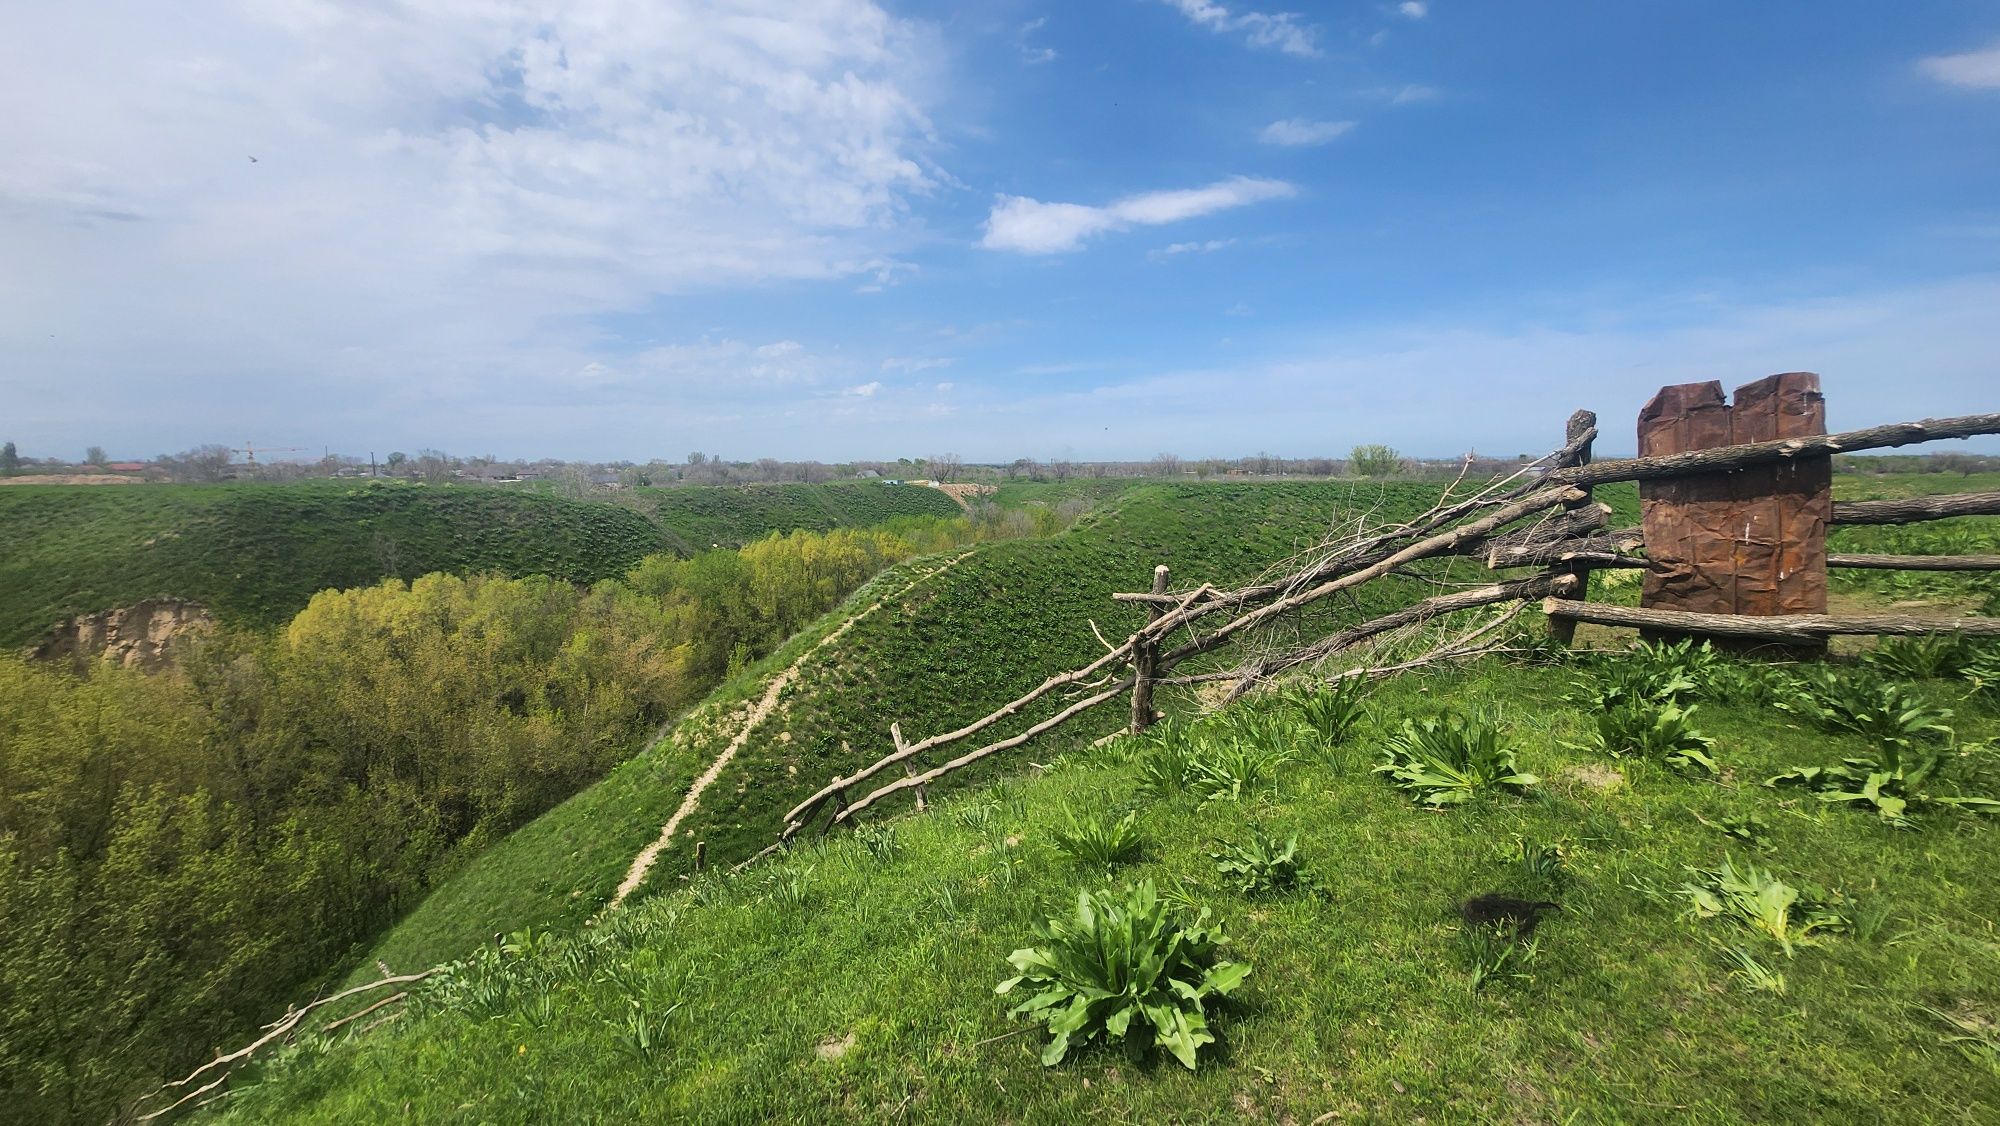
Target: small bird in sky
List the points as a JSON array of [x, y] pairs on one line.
[[253, 160]]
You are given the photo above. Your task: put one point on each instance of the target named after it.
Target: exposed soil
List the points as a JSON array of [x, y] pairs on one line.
[[758, 713], [143, 635]]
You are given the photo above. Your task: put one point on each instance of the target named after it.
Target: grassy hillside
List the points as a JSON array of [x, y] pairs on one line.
[[256, 553], [954, 647], [699, 517], [855, 980]]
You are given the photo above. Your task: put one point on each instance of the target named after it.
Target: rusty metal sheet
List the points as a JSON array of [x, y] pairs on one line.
[[1748, 541]]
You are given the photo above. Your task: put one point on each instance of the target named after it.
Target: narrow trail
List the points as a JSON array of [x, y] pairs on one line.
[[759, 712]]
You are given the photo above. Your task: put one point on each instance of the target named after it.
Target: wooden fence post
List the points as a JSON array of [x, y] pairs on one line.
[[1145, 656], [1749, 541], [1563, 630], [909, 768]]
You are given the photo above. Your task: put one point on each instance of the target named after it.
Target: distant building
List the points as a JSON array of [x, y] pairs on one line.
[[125, 466]]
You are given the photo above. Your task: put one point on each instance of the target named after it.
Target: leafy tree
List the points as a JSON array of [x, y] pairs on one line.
[[95, 456], [1375, 460], [10, 461]]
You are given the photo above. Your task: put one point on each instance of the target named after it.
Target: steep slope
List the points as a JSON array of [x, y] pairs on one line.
[[943, 649], [854, 980], [255, 554]]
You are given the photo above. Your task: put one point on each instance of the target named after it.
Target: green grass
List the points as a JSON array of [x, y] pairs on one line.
[[704, 516], [953, 649], [846, 983], [256, 553]]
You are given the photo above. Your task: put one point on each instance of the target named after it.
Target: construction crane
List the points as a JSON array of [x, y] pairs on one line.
[[250, 451]]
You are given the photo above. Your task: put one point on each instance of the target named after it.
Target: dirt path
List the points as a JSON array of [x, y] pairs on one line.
[[759, 712]]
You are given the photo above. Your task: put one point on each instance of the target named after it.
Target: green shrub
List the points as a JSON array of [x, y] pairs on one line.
[[1931, 656], [1122, 961], [1660, 732], [1230, 768], [1101, 840], [1442, 762], [1896, 785], [1262, 866], [1754, 898], [1374, 460], [1332, 711], [1894, 717]]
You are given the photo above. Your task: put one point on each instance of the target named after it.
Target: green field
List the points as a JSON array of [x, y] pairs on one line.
[[855, 980], [255, 553]]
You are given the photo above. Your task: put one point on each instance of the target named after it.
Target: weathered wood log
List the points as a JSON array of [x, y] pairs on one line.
[[1598, 552], [222, 1066], [799, 813], [1435, 545], [1549, 583], [1720, 458], [1790, 628], [1383, 543], [1146, 654], [970, 757], [1917, 562], [1913, 509]]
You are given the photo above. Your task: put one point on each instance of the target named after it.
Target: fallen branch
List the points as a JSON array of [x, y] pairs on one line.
[[1435, 545], [1524, 589], [1802, 628], [971, 757], [224, 1065]]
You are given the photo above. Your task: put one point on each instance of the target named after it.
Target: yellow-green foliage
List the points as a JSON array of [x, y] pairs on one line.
[[181, 852]]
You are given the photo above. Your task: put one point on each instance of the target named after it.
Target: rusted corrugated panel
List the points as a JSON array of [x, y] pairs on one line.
[[1750, 541]]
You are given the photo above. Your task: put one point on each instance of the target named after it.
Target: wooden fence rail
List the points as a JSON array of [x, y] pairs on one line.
[[1565, 535]]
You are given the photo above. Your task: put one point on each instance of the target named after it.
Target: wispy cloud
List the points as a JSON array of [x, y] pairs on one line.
[[1971, 70], [1030, 226], [1208, 247], [865, 390], [1030, 53], [1297, 132], [1404, 95], [1414, 9], [915, 363], [1281, 31]]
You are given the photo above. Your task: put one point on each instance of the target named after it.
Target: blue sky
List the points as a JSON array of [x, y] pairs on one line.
[[840, 229]]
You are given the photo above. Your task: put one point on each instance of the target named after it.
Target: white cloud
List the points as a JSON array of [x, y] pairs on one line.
[[1404, 95], [1209, 246], [1029, 226], [1298, 132], [1972, 70], [915, 363], [865, 390], [1414, 9], [1281, 31], [444, 195]]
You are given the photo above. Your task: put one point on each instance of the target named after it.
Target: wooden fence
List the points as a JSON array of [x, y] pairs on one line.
[[1542, 517]]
